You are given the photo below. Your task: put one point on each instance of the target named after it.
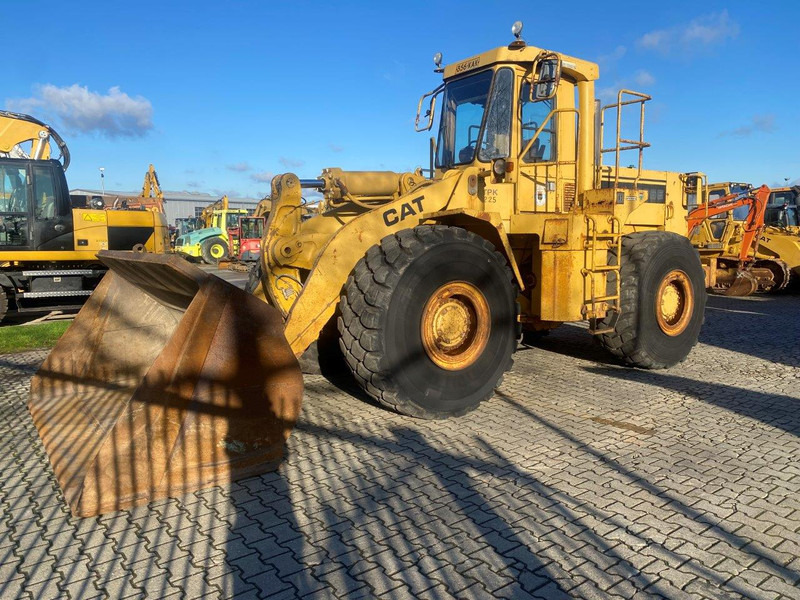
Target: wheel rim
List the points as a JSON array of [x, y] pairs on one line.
[[455, 325], [674, 303], [216, 251]]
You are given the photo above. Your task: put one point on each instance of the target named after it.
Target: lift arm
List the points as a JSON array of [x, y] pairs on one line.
[[17, 129]]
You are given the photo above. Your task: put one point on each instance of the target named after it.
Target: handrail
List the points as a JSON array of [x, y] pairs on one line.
[[640, 144], [558, 163], [431, 110]]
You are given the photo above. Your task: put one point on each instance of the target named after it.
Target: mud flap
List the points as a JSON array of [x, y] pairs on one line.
[[169, 380]]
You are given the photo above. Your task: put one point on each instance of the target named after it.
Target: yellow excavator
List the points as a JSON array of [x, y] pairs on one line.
[[151, 198], [48, 248], [729, 246], [424, 283]]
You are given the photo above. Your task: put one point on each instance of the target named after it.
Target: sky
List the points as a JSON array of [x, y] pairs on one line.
[[220, 96]]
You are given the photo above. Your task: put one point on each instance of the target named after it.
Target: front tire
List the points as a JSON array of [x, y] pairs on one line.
[[214, 250], [663, 299], [428, 321]]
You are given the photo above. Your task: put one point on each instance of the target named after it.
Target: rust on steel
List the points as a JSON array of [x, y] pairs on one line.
[[169, 380]]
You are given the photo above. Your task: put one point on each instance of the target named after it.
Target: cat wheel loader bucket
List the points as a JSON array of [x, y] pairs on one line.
[[169, 380]]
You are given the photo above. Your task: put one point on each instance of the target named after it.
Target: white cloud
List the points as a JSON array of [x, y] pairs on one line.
[[643, 78], [239, 167], [262, 177], [758, 124], [291, 163], [79, 110], [612, 57], [335, 148], [698, 34]]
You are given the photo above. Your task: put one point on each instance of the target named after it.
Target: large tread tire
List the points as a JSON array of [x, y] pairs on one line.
[[637, 339], [381, 316], [3, 303], [253, 278], [213, 250]]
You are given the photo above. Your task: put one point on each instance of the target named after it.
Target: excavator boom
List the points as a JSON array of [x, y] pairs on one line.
[[16, 129], [754, 224]]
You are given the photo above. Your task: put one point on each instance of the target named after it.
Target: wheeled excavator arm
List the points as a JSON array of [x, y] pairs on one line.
[[151, 188], [263, 207], [756, 200], [208, 211], [17, 129]]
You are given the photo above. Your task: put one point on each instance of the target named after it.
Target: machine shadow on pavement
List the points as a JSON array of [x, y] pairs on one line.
[[775, 410], [774, 313]]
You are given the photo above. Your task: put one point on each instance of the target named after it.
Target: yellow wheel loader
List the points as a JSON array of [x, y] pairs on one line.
[[48, 247], [426, 283], [780, 240]]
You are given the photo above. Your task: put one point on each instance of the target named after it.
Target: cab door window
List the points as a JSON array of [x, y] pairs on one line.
[[497, 132], [44, 201], [13, 206], [533, 114]]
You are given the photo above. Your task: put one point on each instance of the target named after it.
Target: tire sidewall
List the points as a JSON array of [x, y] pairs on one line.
[[668, 256], [206, 250], [436, 390]]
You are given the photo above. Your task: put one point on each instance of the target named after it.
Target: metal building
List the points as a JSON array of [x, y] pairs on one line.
[[176, 204]]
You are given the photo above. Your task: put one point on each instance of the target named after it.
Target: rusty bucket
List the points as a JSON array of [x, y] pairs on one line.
[[169, 380]]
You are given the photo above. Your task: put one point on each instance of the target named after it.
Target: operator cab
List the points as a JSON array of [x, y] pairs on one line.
[[782, 216], [35, 209]]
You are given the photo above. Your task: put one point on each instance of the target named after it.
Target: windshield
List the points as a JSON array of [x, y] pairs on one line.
[[781, 216], [232, 220], [252, 228], [463, 105]]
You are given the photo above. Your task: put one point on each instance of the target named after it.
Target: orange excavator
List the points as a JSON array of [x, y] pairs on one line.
[[728, 247]]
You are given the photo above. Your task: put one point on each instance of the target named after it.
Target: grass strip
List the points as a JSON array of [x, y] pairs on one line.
[[19, 338]]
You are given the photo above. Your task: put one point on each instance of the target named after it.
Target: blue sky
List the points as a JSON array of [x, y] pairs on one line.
[[221, 95]]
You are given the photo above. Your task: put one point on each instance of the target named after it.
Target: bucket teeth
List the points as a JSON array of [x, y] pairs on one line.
[[169, 380]]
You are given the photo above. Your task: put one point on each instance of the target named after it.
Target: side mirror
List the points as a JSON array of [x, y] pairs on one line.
[[430, 112], [546, 75]]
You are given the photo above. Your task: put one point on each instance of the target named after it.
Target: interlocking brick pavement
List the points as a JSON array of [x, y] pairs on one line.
[[580, 478]]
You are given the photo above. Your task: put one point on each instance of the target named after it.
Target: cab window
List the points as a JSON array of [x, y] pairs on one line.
[[13, 191], [44, 193], [13, 206], [462, 114], [232, 220], [497, 133], [533, 114]]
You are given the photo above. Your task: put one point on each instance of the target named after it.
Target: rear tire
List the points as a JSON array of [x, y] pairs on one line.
[[663, 299], [214, 250], [428, 321], [3, 303]]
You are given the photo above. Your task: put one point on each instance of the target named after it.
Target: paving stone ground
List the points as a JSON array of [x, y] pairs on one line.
[[579, 479]]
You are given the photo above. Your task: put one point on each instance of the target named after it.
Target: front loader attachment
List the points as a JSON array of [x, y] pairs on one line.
[[169, 380]]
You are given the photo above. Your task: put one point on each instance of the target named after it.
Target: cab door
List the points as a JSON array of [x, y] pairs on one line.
[[547, 162], [52, 223]]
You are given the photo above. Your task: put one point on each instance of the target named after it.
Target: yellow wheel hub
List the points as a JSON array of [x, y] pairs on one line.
[[455, 325], [674, 303], [216, 251]]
